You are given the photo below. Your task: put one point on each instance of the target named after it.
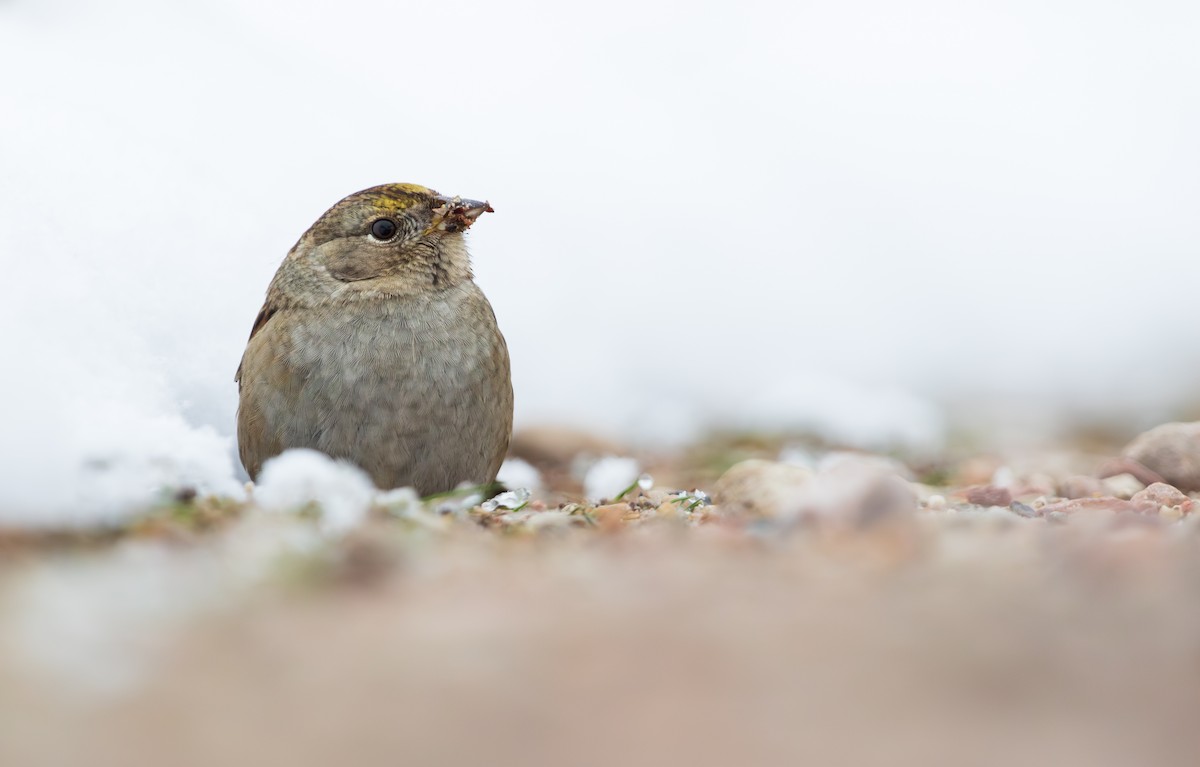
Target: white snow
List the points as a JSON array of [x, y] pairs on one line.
[[90, 430], [400, 501], [608, 476], [851, 218], [301, 480], [517, 473]]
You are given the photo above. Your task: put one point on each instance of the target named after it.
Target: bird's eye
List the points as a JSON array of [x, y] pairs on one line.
[[383, 229]]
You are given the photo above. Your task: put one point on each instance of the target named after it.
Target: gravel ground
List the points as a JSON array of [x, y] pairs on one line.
[[829, 608]]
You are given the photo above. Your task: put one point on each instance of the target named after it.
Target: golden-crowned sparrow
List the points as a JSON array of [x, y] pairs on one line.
[[376, 346]]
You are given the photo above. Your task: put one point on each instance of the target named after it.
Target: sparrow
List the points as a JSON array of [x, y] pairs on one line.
[[375, 346]]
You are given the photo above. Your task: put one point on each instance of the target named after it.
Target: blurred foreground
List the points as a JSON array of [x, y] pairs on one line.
[[828, 608]]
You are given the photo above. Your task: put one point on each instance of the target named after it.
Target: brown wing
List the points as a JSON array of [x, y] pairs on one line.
[[267, 392], [267, 311]]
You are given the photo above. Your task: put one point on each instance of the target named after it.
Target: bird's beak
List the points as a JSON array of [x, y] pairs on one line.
[[455, 214]]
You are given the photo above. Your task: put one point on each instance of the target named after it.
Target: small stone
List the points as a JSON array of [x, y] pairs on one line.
[[936, 503], [668, 510], [610, 508], [762, 488], [1105, 506], [880, 498], [1114, 466], [989, 495], [1081, 486], [1171, 513], [1164, 495], [1122, 485], [610, 516], [1033, 485], [1170, 502], [1023, 510], [1172, 451], [849, 492]]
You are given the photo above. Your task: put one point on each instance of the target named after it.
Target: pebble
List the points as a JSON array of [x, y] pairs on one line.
[[1080, 486], [860, 490], [856, 491], [989, 495], [1122, 485], [1170, 501], [1172, 451], [1171, 513], [610, 516], [1023, 510], [1104, 505], [762, 488]]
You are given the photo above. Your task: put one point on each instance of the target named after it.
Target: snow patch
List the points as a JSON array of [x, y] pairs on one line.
[[607, 477], [305, 479], [516, 473]]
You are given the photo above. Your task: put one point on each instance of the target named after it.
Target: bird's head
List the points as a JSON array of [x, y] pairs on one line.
[[394, 239]]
